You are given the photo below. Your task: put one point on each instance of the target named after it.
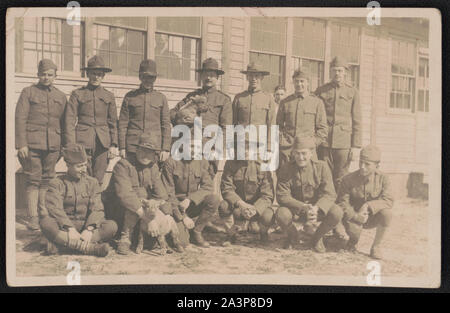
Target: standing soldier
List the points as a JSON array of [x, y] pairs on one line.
[[305, 188], [94, 108], [300, 114], [39, 120], [214, 106], [190, 188], [254, 106], [132, 181], [344, 121], [366, 197], [144, 110], [75, 217]]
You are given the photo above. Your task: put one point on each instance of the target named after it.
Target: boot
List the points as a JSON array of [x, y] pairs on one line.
[[123, 246], [100, 250], [41, 205], [51, 248], [339, 232], [264, 237], [199, 240], [376, 251], [32, 199], [292, 237], [317, 239], [319, 247], [254, 227], [351, 245], [177, 245]]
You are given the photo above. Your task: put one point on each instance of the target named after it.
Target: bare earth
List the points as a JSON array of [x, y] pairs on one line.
[[404, 254]]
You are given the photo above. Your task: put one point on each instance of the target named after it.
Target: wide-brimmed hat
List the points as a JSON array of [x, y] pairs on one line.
[[74, 154], [97, 63], [148, 141], [210, 64], [148, 67], [254, 68]]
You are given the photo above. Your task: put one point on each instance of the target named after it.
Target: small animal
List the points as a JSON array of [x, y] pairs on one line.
[[157, 224]]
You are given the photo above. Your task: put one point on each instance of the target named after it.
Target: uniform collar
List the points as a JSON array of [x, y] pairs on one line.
[[91, 87], [298, 95], [338, 85], [209, 90], [305, 168], [250, 90], [146, 89], [47, 88]]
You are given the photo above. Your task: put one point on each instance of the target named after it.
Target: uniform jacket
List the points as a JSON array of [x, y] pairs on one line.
[[355, 190], [39, 118], [187, 179], [69, 201], [219, 107], [311, 184], [144, 111], [343, 115], [298, 115], [95, 110], [243, 180], [131, 183], [254, 108]]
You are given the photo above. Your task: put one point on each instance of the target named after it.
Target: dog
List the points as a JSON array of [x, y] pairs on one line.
[[157, 224]]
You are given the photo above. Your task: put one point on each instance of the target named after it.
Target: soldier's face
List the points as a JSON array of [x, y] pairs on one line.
[[47, 77], [145, 156], [302, 156], [279, 95], [77, 170], [147, 80], [300, 84], [338, 74], [366, 168], [254, 80], [209, 78], [95, 77]]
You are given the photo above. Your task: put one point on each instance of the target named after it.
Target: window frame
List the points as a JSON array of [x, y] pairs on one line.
[[423, 54]]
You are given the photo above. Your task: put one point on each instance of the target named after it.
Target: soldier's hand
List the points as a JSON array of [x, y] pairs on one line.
[[249, 212], [353, 154], [164, 155], [112, 152], [311, 215], [363, 214], [74, 236], [184, 204], [123, 153], [86, 235], [22, 153], [188, 222], [153, 229]]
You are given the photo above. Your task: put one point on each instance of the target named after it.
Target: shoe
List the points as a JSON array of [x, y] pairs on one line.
[[376, 253], [51, 248], [199, 240], [100, 250], [253, 227], [350, 246], [33, 223], [319, 247], [264, 237], [123, 246]]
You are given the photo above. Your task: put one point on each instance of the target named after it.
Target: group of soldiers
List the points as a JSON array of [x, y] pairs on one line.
[[320, 134]]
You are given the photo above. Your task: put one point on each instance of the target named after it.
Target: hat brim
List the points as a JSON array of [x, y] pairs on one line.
[[264, 73], [104, 69], [149, 74], [219, 72], [148, 148]]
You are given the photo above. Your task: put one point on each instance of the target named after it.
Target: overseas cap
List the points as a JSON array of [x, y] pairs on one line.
[[74, 154], [46, 64], [300, 73], [148, 67], [149, 142], [370, 153], [302, 142]]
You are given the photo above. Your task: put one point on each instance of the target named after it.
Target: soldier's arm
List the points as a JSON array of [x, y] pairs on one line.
[[22, 109], [112, 121], [343, 199], [234, 109], [226, 116], [124, 189], [356, 122], [70, 119], [96, 211], [265, 199], [206, 186], [62, 121], [54, 202], [165, 126], [123, 123], [321, 135], [386, 198], [167, 179], [227, 186], [271, 120], [327, 193], [284, 196], [159, 191], [280, 116], [173, 112]]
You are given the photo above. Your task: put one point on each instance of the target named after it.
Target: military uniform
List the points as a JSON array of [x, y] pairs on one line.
[[76, 203], [344, 121], [38, 124], [244, 180], [91, 120], [192, 180], [299, 186], [374, 191]]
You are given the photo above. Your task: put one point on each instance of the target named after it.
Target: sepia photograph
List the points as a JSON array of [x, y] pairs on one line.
[[275, 146]]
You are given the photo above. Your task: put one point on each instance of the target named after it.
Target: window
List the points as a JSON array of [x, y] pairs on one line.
[[308, 49], [121, 42], [345, 42], [50, 38], [177, 47], [268, 48], [422, 86], [402, 67]]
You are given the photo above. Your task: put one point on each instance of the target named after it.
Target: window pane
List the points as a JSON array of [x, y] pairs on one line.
[[345, 42], [427, 99], [119, 63], [308, 38], [268, 34], [272, 63], [403, 57], [420, 102], [135, 42], [180, 25], [135, 21]]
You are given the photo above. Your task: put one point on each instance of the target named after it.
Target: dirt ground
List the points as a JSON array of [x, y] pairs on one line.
[[404, 257]]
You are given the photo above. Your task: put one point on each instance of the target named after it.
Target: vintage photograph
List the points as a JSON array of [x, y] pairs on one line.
[[268, 146]]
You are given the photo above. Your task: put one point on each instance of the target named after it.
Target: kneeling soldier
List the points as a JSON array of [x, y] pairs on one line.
[[190, 188], [248, 193], [366, 198], [305, 188], [74, 215], [132, 181]]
